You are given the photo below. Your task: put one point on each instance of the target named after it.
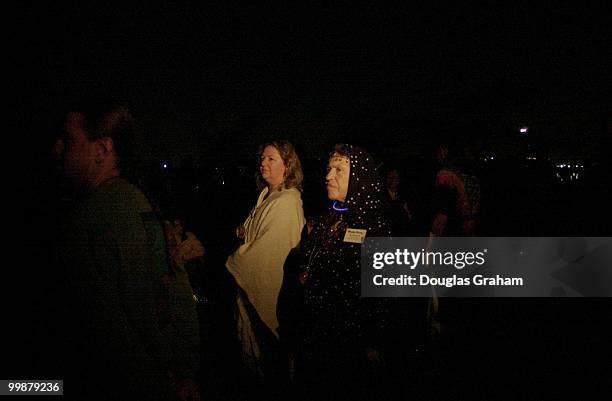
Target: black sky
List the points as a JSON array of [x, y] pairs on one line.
[[203, 77]]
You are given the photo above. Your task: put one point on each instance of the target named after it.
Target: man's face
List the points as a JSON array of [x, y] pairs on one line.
[[337, 179], [75, 152]]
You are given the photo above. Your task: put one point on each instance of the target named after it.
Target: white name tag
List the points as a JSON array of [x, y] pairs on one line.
[[354, 235]]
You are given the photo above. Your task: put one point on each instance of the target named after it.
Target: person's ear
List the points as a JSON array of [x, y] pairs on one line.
[[104, 148]]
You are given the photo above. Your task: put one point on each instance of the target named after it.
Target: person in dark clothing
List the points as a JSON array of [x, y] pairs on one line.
[[130, 323], [456, 198], [398, 211], [342, 335]]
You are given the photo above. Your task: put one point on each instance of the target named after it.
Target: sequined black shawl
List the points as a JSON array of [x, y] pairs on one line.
[[335, 312]]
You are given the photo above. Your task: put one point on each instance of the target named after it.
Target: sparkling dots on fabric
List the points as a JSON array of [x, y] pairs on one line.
[[335, 312]]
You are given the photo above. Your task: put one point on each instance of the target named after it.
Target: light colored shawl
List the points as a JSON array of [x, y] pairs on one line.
[[272, 229]]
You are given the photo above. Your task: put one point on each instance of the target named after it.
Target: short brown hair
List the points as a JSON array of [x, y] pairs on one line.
[[109, 117], [293, 168]]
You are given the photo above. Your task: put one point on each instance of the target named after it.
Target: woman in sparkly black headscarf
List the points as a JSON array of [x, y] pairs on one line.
[[342, 333]]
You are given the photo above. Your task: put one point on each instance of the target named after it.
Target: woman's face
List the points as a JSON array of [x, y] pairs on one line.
[[337, 179], [272, 167], [393, 180]]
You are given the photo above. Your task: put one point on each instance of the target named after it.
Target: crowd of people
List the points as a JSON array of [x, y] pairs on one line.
[[141, 299]]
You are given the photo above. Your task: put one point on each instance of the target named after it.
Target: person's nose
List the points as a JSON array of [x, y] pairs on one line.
[[329, 175]]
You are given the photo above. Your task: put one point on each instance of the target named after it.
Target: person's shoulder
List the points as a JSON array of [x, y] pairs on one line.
[[291, 196], [119, 195], [285, 195], [291, 192], [447, 177], [285, 201]]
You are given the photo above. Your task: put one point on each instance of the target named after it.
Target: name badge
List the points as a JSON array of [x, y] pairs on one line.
[[354, 235]]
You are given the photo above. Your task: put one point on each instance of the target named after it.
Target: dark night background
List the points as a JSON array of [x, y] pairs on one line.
[[200, 75], [207, 83]]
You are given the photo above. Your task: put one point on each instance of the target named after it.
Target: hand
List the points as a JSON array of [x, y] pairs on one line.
[[407, 210], [188, 250], [240, 232], [187, 390]]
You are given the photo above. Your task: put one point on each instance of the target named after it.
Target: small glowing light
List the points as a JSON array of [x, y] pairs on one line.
[[164, 165], [339, 209], [524, 130]]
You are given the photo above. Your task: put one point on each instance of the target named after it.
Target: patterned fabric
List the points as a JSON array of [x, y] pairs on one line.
[[337, 320]]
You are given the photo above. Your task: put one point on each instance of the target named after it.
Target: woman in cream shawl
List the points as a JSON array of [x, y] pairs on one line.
[[270, 231]]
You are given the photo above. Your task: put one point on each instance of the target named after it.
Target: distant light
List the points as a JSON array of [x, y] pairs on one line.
[[164, 165], [524, 130]]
